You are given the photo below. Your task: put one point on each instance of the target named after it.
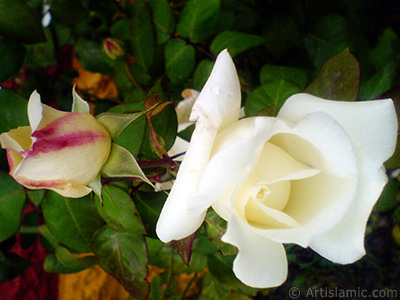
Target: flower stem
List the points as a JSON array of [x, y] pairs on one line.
[[165, 162], [29, 229]]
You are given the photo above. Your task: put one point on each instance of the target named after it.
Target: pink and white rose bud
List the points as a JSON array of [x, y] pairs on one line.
[[60, 151]]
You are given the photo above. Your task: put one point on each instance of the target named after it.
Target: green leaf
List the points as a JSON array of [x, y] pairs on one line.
[[121, 30], [121, 163], [394, 161], [198, 19], [132, 137], [179, 60], [71, 221], [78, 104], [12, 199], [64, 262], [213, 289], [215, 230], [273, 72], [202, 73], [119, 211], [235, 42], [338, 79], [220, 268], [68, 12], [327, 39], [283, 27], [187, 133], [18, 22], [123, 255], [158, 289], [164, 20], [388, 199], [273, 93], [149, 205], [12, 58], [241, 15], [142, 38], [161, 255], [92, 57], [49, 239], [42, 55], [386, 50], [165, 134], [381, 82], [36, 196], [13, 111]]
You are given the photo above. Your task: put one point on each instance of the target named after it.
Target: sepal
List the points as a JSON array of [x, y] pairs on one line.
[[121, 163], [78, 104]]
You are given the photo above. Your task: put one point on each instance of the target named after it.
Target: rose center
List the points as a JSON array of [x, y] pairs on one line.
[[262, 198]]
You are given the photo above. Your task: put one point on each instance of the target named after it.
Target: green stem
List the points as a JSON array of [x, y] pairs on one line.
[[165, 162], [132, 79], [171, 263], [29, 229]]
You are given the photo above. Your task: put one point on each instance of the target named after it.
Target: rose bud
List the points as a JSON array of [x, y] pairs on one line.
[[60, 151]]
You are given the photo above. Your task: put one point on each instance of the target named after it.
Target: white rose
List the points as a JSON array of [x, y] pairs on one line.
[[60, 151], [310, 176]]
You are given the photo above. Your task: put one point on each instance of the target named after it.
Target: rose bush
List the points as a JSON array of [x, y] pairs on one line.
[[309, 176], [60, 151]]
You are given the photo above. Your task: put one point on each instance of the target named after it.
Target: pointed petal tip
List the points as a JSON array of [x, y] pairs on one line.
[[219, 100], [35, 110], [224, 58], [79, 104]]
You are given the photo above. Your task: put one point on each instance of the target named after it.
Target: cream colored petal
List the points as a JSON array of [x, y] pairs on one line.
[[319, 142], [317, 203], [260, 263], [275, 164], [16, 140], [14, 159], [212, 110], [178, 149], [218, 103], [35, 110], [78, 104], [262, 216], [344, 243], [79, 165], [231, 163], [63, 188], [73, 191], [184, 107], [224, 206], [71, 149], [180, 145], [175, 222], [371, 125]]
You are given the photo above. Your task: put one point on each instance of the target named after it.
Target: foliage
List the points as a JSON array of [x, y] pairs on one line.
[[147, 53]]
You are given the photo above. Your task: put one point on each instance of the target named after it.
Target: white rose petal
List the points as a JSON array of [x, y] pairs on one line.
[[224, 92], [260, 262]]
